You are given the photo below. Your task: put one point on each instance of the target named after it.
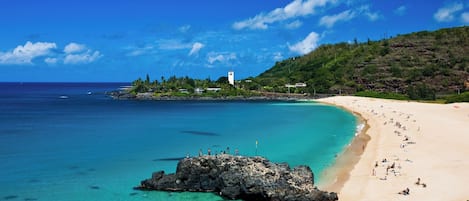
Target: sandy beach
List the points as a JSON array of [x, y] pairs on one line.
[[409, 151]]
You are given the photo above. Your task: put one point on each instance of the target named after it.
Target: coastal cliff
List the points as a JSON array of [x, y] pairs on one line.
[[239, 177]]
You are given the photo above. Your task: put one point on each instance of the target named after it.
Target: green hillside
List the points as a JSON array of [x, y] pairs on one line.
[[418, 65]]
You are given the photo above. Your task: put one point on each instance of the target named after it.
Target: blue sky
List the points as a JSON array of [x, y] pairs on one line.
[[120, 40]]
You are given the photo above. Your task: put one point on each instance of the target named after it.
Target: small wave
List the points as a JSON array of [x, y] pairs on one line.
[[359, 128]]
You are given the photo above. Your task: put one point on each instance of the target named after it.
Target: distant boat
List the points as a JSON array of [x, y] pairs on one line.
[[63, 97], [89, 93]]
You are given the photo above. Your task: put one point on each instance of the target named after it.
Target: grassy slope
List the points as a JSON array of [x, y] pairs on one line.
[[435, 61]]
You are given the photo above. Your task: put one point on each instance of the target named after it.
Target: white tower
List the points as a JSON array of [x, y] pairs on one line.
[[231, 77]]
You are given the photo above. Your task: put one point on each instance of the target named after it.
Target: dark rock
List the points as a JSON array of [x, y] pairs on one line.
[[95, 187], [237, 177], [10, 197]]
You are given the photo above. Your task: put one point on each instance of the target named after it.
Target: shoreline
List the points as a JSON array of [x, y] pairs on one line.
[[335, 176], [413, 146], [125, 95]]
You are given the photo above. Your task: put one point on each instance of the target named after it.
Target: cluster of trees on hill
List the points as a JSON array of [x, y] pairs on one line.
[[186, 86], [420, 65]]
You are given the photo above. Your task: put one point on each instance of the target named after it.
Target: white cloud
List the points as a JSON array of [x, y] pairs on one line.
[[82, 58], [365, 10], [372, 16], [196, 48], [306, 45], [172, 44], [166, 45], [297, 8], [223, 58], [446, 14], [79, 54], [184, 28], [465, 17], [213, 59], [277, 56], [330, 20], [50, 60], [74, 48], [73, 53], [24, 54], [401, 10], [294, 25], [136, 51]]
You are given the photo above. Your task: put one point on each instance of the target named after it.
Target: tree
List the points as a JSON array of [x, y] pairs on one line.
[[222, 80], [139, 86], [396, 71], [422, 92], [147, 80]]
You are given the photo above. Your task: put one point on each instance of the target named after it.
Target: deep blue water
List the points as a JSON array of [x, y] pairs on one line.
[[91, 147]]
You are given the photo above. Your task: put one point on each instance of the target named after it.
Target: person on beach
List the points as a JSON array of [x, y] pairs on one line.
[[406, 138], [405, 191], [418, 183], [209, 151], [200, 152]]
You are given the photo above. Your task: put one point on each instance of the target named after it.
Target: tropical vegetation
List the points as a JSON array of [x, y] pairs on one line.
[[419, 66]]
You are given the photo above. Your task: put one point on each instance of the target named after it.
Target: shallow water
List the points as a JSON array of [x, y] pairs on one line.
[[90, 147]]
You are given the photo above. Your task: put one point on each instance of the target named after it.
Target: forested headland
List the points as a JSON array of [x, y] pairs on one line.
[[419, 66]]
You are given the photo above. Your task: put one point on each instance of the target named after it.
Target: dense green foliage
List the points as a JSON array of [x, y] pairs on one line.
[[187, 87], [463, 97], [417, 65], [384, 95]]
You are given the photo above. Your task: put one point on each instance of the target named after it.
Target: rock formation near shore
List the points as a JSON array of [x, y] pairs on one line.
[[239, 177]]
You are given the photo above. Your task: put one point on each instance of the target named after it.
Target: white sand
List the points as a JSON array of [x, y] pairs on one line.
[[437, 150]]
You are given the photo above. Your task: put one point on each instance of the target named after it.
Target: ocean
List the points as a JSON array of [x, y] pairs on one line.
[[69, 141]]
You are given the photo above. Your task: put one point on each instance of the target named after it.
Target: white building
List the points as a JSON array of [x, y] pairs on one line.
[[300, 84], [199, 91], [231, 77], [214, 89]]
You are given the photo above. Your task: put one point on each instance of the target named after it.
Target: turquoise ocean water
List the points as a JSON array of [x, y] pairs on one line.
[[88, 147]]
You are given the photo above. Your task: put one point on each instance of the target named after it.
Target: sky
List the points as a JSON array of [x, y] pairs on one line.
[[121, 40]]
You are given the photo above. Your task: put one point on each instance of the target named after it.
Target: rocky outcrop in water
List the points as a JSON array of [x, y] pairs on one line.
[[238, 177]]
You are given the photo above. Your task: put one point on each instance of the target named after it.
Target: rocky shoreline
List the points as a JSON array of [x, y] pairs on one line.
[[122, 95], [240, 177]]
